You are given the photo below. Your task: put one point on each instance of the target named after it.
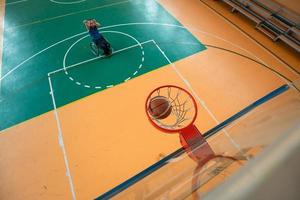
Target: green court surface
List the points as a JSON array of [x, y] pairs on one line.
[[44, 37]]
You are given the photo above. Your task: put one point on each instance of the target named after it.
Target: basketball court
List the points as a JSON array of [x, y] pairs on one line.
[[73, 126]]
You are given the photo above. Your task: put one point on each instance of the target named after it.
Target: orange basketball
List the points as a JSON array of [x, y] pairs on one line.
[[160, 107]]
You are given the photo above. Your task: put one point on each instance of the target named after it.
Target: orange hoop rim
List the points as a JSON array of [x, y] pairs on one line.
[[165, 129]]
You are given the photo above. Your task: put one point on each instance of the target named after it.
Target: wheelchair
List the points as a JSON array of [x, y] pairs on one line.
[[101, 46]]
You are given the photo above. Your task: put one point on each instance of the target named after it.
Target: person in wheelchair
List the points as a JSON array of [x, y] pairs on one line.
[[92, 26]]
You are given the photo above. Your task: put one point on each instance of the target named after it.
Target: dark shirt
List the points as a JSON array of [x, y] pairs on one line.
[[94, 33]]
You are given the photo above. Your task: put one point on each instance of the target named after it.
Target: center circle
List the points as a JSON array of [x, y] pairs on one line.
[[65, 67], [64, 2]]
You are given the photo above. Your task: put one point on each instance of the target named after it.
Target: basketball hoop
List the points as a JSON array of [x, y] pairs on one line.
[[184, 109], [181, 119]]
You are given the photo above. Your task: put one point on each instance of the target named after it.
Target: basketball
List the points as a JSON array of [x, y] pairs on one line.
[[160, 107]]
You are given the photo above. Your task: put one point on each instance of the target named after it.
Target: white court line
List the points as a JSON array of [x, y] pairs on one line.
[[197, 97], [96, 58], [67, 3], [15, 2], [61, 141]]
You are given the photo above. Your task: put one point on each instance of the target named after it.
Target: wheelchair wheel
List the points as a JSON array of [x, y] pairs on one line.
[[94, 49]]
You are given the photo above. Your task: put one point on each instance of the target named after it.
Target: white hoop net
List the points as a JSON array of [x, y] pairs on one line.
[[183, 108]]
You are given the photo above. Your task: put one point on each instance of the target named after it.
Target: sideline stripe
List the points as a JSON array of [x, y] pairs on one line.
[[15, 2], [61, 141]]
